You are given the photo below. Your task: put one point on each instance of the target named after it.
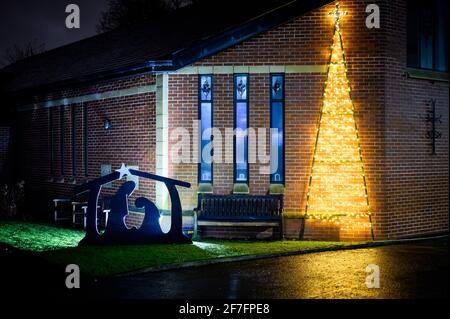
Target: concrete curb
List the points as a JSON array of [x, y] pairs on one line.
[[199, 263]]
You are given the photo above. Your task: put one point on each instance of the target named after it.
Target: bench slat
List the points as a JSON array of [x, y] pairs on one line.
[[240, 206]]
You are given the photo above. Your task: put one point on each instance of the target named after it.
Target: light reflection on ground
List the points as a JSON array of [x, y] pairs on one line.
[[406, 271], [218, 249]]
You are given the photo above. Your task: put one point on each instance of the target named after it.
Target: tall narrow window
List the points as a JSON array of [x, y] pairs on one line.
[[205, 116], [85, 139], [50, 140], [72, 120], [277, 128], [61, 137], [241, 128]]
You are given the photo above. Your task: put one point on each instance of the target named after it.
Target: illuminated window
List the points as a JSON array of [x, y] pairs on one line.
[[277, 128], [205, 168], [241, 128]]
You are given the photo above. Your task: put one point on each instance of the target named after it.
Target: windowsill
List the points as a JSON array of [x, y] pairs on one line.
[[241, 188], [276, 188], [205, 188], [71, 180], [66, 180], [59, 180], [425, 74]]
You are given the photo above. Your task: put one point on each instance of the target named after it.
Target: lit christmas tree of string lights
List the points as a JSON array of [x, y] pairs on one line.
[[337, 183]]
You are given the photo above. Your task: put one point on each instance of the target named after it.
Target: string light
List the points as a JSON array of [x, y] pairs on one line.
[[337, 190]]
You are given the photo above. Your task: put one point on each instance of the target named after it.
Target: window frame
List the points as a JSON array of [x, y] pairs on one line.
[[85, 139], [282, 101], [61, 137], [51, 141], [419, 21], [235, 102], [199, 116], [73, 139]]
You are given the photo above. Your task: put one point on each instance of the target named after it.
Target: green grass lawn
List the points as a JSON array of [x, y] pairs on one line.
[[59, 245], [38, 237]]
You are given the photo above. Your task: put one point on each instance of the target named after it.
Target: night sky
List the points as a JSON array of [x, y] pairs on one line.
[[43, 21]]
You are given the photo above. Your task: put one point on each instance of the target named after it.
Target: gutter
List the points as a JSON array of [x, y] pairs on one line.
[[144, 68]]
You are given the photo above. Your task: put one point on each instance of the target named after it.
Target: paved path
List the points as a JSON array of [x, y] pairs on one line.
[[406, 271]]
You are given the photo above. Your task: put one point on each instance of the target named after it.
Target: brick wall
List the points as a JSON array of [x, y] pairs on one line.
[[183, 109], [302, 41], [239, 232], [131, 140], [416, 180], [390, 110], [96, 87], [407, 187], [182, 106]]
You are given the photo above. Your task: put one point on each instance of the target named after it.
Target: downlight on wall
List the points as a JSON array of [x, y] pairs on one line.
[[107, 125]]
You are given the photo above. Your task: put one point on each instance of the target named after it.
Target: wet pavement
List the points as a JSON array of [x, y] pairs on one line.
[[406, 271], [417, 270]]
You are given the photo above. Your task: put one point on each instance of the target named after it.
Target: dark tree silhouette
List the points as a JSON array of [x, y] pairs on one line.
[[177, 4], [127, 12], [16, 52]]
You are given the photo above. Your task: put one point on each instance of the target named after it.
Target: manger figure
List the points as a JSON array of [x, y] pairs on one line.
[[116, 232]]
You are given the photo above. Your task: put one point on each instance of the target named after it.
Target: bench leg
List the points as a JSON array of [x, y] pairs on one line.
[[195, 225], [106, 219], [56, 212], [281, 229], [84, 216]]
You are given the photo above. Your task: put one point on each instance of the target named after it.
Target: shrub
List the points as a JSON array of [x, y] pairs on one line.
[[12, 200]]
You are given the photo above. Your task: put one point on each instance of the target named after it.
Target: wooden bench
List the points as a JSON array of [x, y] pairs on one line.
[[239, 210], [62, 211], [74, 209]]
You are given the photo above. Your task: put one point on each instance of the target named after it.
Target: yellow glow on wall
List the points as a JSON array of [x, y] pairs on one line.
[[337, 183]]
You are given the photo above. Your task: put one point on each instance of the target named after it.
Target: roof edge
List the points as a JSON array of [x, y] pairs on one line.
[[147, 67], [243, 32]]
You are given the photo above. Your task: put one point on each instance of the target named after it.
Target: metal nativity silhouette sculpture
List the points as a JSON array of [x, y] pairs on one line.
[[116, 232]]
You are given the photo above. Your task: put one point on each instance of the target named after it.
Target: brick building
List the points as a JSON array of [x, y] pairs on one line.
[[135, 95]]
